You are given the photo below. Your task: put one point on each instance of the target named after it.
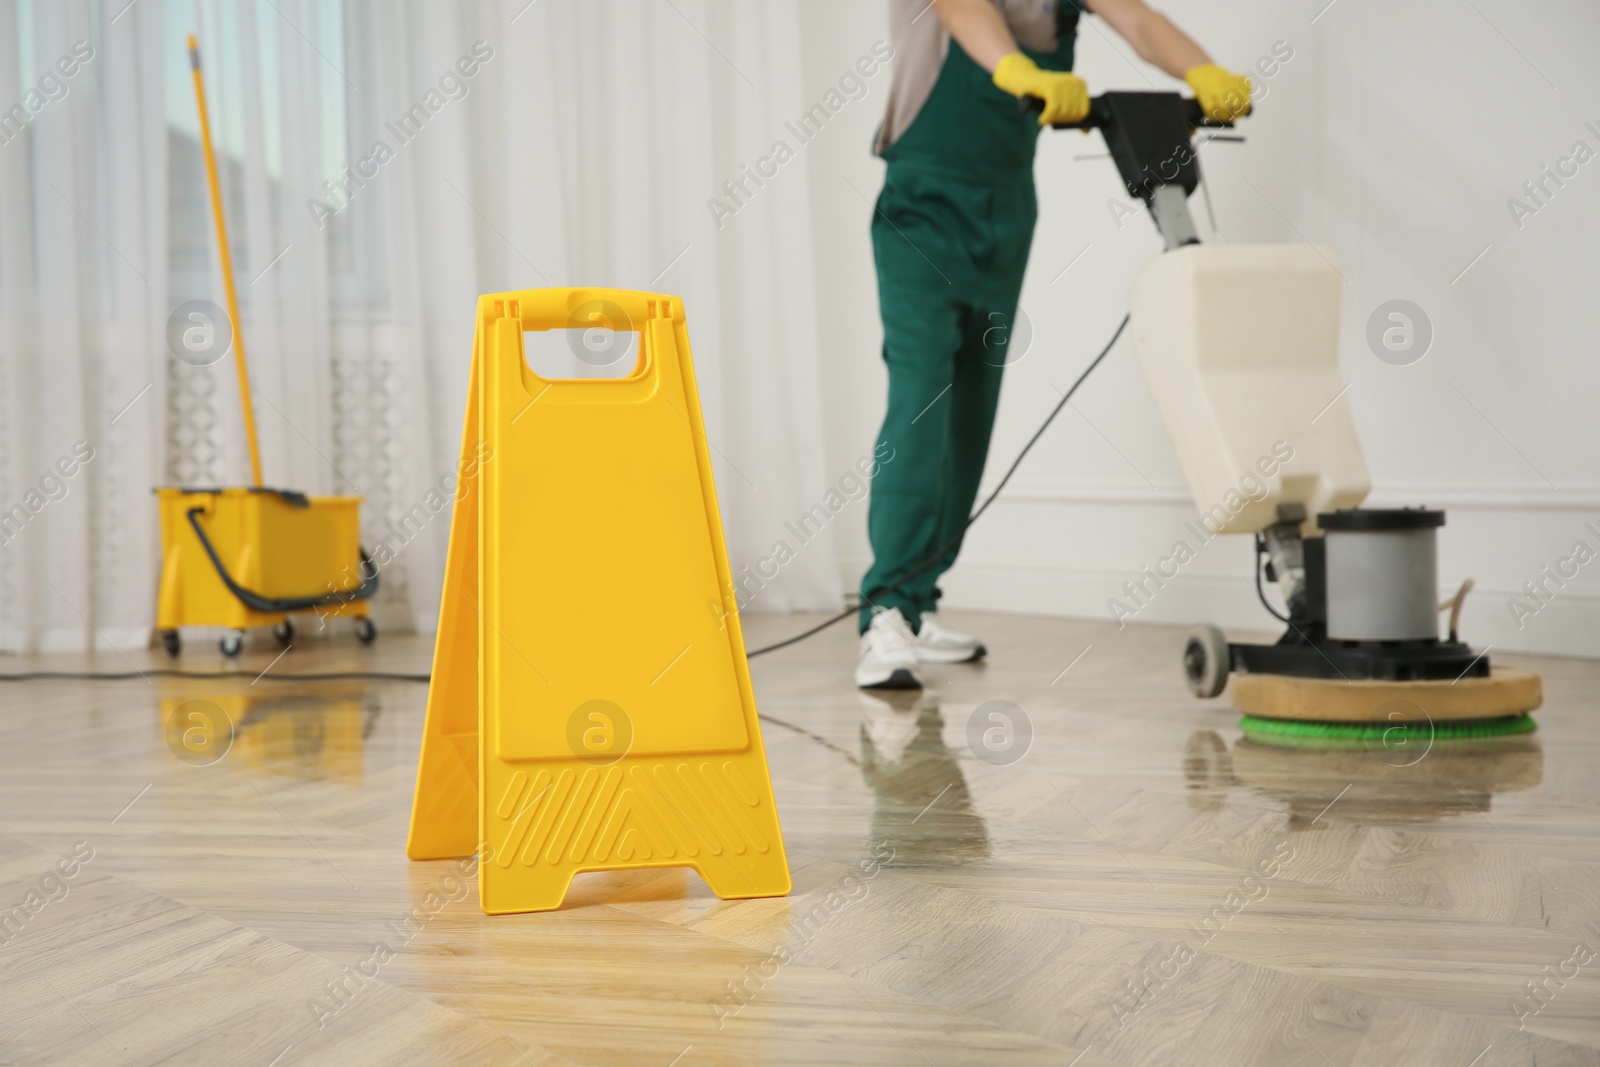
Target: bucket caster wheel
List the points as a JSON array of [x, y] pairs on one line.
[[1206, 660], [284, 632], [171, 642], [366, 631], [232, 643]]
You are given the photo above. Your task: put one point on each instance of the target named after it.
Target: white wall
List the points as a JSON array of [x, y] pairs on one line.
[[1395, 135]]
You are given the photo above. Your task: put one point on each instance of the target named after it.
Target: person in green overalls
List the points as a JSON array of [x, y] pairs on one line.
[[950, 238]]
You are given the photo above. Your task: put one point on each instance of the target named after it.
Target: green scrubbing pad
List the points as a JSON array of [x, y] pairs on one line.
[[1297, 732]]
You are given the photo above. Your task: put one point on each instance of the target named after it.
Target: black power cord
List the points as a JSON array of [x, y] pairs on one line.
[[1261, 548], [918, 571], [169, 672], [925, 565]]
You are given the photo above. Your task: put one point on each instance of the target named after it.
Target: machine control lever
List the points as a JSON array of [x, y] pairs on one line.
[[1149, 137]]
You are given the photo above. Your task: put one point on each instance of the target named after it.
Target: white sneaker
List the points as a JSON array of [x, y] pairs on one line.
[[888, 653], [938, 643]]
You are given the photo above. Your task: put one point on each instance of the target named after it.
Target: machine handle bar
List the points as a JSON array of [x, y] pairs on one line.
[[1099, 114]]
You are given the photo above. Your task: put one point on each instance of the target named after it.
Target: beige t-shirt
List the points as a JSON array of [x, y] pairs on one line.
[[921, 44]]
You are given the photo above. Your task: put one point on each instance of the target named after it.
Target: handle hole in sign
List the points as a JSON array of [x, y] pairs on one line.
[[587, 352]]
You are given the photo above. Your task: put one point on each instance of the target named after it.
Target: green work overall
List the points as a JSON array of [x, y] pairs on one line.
[[950, 238]]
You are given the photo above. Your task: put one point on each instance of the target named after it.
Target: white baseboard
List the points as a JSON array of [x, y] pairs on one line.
[[79, 639], [1569, 625], [1502, 536]]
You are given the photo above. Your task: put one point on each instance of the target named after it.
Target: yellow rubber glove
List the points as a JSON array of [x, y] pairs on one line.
[[1065, 96], [1223, 95]]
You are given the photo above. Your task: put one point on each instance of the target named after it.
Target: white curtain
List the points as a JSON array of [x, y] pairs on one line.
[[83, 295], [558, 142]]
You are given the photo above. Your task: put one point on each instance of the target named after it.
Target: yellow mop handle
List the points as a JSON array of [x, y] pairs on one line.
[[227, 267]]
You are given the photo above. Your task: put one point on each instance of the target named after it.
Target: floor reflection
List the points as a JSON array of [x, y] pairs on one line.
[[1449, 778], [922, 808], [317, 734]]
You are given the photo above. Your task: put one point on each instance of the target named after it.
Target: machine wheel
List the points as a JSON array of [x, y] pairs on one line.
[[366, 631], [284, 632], [1206, 660], [171, 642], [232, 643]]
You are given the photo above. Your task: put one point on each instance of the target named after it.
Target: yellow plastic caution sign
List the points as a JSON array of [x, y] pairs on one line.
[[591, 706]]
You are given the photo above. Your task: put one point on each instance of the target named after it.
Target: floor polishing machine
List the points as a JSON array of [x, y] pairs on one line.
[[1240, 346]]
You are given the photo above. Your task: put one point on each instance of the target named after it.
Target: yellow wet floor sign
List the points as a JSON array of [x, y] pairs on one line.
[[590, 707]]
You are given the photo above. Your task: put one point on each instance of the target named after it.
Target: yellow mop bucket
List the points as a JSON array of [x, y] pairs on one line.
[[238, 557]]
